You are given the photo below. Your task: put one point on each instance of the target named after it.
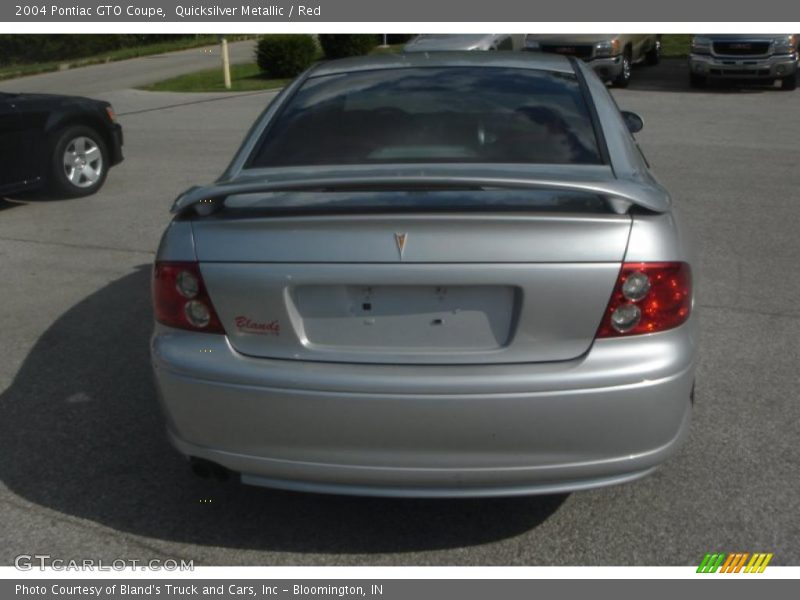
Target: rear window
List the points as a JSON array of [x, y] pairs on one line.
[[425, 115]]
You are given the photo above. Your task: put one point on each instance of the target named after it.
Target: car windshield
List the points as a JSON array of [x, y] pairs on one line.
[[426, 115]]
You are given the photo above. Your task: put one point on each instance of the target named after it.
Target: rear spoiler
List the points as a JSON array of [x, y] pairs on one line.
[[621, 195]]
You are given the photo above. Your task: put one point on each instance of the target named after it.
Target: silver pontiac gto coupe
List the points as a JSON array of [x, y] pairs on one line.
[[445, 274]]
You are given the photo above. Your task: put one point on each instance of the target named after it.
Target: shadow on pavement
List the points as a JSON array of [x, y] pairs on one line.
[[32, 197], [81, 433], [672, 75], [6, 204]]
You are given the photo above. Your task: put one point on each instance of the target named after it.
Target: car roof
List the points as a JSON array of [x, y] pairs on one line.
[[516, 60]]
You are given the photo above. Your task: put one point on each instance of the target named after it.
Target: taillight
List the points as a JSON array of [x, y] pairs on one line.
[[180, 298], [648, 297]]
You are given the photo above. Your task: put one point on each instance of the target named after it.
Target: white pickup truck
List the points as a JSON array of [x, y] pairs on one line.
[[610, 55]]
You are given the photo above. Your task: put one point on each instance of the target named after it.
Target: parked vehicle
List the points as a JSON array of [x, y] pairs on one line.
[[456, 42], [469, 284], [66, 143], [611, 56], [744, 56]]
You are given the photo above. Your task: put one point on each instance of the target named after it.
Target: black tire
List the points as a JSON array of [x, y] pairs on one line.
[[653, 56], [789, 82], [697, 81], [624, 78], [89, 173]]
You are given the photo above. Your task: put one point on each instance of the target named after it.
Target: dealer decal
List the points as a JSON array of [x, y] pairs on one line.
[[247, 325]]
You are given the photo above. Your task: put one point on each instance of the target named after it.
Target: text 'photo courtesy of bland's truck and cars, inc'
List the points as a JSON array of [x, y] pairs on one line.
[[38, 9], [204, 590]]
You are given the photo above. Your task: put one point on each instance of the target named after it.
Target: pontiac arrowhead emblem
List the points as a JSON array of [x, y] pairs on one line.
[[400, 240]]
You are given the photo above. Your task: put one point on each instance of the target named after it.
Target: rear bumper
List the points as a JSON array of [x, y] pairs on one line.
[[608, 417], [772, 67], [116, 144]]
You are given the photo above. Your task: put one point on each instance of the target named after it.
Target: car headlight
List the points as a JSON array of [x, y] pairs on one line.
[[532, 44], [785, 44], [701, 45], [112, 116], [607, 48]]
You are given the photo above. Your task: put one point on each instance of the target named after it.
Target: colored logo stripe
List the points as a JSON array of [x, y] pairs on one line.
[[734, 562], [758, 563], [711, 563]]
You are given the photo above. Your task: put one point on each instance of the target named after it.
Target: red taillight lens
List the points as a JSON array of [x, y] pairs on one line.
[[180, 298], [647, 298]]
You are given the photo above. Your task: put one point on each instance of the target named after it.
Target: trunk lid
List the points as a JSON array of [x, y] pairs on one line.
[[412, 288]]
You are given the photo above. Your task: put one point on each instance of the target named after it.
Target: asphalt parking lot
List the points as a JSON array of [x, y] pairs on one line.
[[86, 470]]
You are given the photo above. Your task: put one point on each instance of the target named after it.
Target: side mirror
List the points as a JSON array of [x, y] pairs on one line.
[[634, 122]]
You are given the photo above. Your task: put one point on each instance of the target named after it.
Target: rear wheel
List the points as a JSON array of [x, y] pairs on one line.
[[624, 78], [79, 162], [653, 56], [789, 83], [696, 81]]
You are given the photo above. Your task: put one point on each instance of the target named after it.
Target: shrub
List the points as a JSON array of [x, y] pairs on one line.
[[282, 56], [336, 45]]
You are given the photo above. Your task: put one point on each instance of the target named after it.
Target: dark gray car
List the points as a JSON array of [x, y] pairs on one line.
[[66, 143]]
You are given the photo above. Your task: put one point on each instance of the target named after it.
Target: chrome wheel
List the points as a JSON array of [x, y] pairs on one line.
[[626, 67], [83, 162], [624, 75]]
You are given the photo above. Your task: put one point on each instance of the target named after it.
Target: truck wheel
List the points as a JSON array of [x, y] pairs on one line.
[[624, 78], [653, 56], [697, 81], [789, 83], [79, 162]]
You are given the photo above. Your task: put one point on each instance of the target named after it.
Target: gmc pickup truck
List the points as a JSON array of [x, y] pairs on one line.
[[744, 56]]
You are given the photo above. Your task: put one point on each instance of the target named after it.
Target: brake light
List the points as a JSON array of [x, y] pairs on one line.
[[180, 298], [648, 297]]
